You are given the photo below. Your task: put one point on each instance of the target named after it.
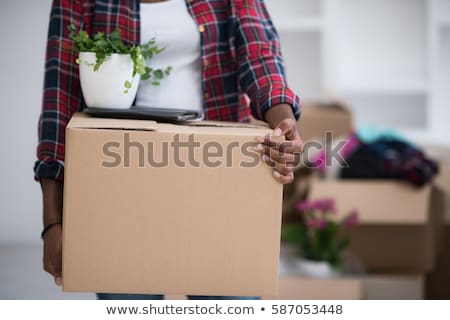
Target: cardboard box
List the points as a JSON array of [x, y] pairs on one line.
[[319, 117], [443, 183], [132, 227], [394, 286], [437, 282], [400, 226], [300, 288]]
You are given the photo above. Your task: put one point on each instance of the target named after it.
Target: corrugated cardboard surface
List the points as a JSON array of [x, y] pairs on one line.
[[169, 230], [300, 288], [318, 118], [400, 227], [378, 202]]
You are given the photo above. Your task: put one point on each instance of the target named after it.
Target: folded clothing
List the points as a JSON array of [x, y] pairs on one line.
[[389, 159]]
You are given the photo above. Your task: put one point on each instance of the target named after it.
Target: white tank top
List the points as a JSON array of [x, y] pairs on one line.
[[175, 30]]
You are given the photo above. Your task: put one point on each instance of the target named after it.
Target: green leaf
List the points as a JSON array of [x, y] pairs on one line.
[[158, 74], [127, 84], [106, 44], [99, 36], [115, 35], [291, 233]]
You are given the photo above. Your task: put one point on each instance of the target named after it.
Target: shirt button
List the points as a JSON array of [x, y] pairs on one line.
[[201, 28], [206, 62], [206, 95]]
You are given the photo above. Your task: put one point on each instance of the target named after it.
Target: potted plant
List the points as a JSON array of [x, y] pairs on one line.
[[110, 70], [318, 238]]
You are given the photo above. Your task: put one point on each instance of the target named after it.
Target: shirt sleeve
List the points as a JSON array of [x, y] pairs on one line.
[[261, 66], [62, 93]]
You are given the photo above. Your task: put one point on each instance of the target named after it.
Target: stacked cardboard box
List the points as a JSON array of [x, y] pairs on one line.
[[400, 233], [400, 226], [437, 281], [318, 118]]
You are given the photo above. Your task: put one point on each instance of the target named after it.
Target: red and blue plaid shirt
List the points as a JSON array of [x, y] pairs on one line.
[[239, 47]]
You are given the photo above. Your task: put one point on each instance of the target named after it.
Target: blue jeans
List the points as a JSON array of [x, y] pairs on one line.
[[125, 296]]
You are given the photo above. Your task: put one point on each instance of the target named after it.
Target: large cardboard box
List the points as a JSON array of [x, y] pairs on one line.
[[400, 226], [301, 288], [317, 118], [135, 227]]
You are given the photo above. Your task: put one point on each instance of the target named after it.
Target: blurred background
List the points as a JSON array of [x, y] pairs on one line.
[[383, 64]]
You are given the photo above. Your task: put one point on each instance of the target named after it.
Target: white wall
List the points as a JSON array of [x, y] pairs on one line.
[[23, 30]]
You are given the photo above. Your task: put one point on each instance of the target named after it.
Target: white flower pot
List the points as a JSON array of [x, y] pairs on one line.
[[316, 269], [105, 87], [288, 261]]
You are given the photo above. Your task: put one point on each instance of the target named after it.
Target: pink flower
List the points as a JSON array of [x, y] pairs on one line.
[[305, 206], [322, 205], [351, 219], [325, 205], [316, 223]]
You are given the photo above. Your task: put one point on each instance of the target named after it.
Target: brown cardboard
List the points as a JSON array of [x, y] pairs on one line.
[[317, 118], [442, 181], [400, 226], [437, 281], [394, 286], [378, 202], [170, 230], [300, 288]]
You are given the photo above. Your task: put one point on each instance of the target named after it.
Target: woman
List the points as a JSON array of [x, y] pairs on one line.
[[219, 50]]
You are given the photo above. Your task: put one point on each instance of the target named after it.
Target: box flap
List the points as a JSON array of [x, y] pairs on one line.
[[377, 202], [223, 124], [83, 121], [215, 128]]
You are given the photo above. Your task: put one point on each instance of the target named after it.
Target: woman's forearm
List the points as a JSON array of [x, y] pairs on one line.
[[278, 113], [52, 195]]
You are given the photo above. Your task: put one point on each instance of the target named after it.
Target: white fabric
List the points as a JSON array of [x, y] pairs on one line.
[[175, 30]]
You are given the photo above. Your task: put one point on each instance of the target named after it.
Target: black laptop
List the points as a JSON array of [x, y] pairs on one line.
[[145, 113]]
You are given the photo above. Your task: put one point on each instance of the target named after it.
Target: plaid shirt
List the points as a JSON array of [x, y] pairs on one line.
[[239, 47]]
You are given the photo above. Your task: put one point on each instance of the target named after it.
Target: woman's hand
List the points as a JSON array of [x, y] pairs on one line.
[[281, 150], [53, 252]]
